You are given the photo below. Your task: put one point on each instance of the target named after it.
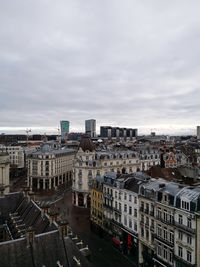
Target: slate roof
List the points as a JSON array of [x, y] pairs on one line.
[[46, 250], [46, 246]]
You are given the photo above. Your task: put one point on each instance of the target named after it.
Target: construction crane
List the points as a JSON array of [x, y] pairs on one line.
[[59, 135], [27, 131]]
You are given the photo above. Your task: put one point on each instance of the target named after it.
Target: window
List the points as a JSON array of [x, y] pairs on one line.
[[142, 205], [135, 200], [165, 253], [171, 236], [130, 210], [125, 220], [159, 213], [189, 256], [135, 226], [159, 230], [165, 233], [130, 197], [189, 223], [185, 205], [170, 256], [171, 218], [142, 231], [135, 212], [180, 235], [180, 219], [165, 215], [125, 208], [125, 196], [130, 223], [120, 206], [147, 221], [159, 250], [189, 239], [180, 252], [147, 234]]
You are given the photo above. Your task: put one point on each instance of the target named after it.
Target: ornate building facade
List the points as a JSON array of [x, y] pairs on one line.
[[90, 163], [49, 168]]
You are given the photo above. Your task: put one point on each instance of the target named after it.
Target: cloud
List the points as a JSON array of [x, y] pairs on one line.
[[125, 64]]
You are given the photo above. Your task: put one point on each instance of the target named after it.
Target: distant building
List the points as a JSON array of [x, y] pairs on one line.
[[198, 132], [90, 127], [117, 132], [4, 173], [16, 154], [64, 127]]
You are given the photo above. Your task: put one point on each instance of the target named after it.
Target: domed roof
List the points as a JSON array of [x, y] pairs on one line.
[[45, 148], [86, 143]]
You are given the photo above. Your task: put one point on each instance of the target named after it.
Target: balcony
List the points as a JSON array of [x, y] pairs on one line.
[[161, 261], [117, 210], [160, 238], [185, 228], [107, 207], [185, 263], [165, 221], [108, 196], [117, 223]]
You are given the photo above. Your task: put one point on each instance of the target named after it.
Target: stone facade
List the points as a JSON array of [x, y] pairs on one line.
[[49, 168], [4, 173]]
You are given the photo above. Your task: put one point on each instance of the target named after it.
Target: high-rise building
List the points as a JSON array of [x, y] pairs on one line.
[[90, 127], [64, 127], [198, 132], [117, 132]]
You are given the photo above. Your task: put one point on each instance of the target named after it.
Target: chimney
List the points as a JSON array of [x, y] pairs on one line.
[[63, 228], [30, 236]]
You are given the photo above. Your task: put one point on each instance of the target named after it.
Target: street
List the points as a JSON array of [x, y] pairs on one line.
[[103, 253]]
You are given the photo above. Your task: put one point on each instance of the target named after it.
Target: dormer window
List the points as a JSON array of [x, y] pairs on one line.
[[185, 205]]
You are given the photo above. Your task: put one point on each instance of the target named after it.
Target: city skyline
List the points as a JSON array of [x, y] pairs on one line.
[[142, 130], [129, 64]]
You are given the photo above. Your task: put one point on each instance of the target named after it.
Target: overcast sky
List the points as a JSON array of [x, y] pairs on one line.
[[124, 63]]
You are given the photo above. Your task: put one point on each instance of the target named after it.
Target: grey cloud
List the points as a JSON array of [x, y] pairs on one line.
[[127, 63]]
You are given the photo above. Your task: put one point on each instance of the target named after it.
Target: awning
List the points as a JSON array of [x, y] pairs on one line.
[[116, 241]]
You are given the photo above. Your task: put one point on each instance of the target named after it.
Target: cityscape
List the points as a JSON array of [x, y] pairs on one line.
[[99, 133], [71, 195]]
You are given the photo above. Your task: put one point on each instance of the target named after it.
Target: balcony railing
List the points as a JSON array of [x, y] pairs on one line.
[[108, 196], [186, 263], [165, 221], [185, 228], [117, 223], [107, 207], [162, 239], [117, 210]]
